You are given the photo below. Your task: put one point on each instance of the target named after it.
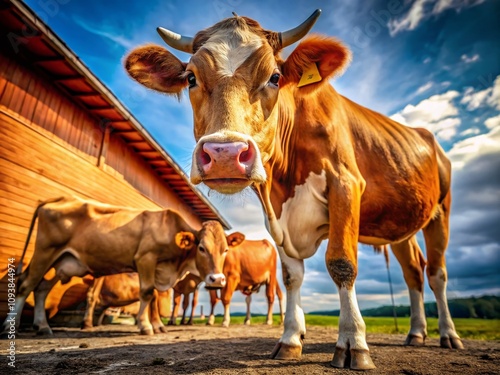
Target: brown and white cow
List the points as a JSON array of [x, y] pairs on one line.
[[247, 268], [323, 166], [118, 291], [79, 237], [182, 290]]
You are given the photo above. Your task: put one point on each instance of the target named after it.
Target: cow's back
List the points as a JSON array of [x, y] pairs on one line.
[[398, 164]]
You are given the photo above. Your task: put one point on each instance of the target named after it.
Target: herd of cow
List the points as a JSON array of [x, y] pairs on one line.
[[78, 237], [322, 166]]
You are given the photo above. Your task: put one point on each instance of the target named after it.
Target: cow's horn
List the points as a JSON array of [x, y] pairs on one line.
[[177, 41], [291, 36]]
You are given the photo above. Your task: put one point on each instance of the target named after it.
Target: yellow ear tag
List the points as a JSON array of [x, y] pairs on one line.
[[310, 75]]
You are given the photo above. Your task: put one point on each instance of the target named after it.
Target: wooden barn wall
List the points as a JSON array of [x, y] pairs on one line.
[[49, 147]]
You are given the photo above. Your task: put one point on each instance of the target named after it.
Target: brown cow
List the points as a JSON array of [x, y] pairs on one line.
[[247, 267], [79, 237], [183, 289], [117, 290], [323, 166]]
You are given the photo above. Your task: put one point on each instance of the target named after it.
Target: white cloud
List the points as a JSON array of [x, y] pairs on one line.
[[493, 122], [424, 87], [489, 96], [435, 114], [470, 59], [467, 150], [411, 20], [423, 9], [110, 34], [470, 132]]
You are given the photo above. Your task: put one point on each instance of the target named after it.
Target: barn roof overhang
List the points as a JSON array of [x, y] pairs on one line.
[[29, 35]]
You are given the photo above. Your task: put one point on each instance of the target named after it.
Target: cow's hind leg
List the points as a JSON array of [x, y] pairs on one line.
[[92, 297], [194, 303], [175, 309], [412, 262], [436, 240], [27, 282], [290, 344], [185, 306], [40, 317]]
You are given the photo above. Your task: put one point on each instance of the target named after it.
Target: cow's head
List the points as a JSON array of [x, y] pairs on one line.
[[234, 78], [213, 245]]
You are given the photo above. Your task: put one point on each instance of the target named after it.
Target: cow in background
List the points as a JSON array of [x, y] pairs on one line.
[[118, 291], [183, 289], [323, 166], [79, 237], [248, 266]]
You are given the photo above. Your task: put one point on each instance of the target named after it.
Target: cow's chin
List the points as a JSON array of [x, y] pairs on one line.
[[228, 185], [213, 287]]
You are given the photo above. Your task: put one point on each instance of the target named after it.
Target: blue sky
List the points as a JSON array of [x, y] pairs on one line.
[[426, 63]]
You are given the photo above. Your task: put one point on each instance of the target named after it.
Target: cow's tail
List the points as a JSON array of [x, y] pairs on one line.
[[30, 231], [279, 293], [385, 250]]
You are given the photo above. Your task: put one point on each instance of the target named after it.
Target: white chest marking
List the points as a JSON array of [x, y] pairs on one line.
[[304, 218]]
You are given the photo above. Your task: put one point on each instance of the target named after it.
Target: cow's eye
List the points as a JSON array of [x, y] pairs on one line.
[[202, 249], [275, 78], [191, 80]]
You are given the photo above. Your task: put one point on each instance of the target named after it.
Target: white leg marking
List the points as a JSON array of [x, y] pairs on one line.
[[351, 324], [227, 316], [295, 323], [418, 324], [248, 300], [143, 317], [438, 285]]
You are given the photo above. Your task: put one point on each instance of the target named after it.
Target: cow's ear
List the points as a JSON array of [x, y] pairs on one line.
[[314, 62], [234, 239], [185, 240], [156, 68]]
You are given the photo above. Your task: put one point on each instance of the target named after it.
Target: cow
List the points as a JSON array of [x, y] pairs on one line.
[[117, 290], [247, 267], [183, 289], [78, 237], [322, 166]]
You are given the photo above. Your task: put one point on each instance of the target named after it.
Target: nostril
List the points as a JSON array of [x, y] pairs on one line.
[[205, 157], [246, 156], [212, 278]]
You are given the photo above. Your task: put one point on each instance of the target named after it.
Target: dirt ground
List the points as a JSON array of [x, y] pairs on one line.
[[238, 349]]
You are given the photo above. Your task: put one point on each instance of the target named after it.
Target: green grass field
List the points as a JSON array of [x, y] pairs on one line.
[[480, 329]]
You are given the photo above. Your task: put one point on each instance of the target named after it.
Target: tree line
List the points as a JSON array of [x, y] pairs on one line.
[[485, 307]]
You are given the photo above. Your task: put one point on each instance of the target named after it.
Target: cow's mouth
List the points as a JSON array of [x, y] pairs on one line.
[[213, 287], [228, 185]]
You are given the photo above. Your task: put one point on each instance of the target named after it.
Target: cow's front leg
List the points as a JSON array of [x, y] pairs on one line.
[[158, 326], [290, 343], [248, 301], [213, 301], [341, 259], [226, 295], [146, 269]]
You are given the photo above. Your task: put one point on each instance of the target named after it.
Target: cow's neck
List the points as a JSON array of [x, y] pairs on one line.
[[299, 147]]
